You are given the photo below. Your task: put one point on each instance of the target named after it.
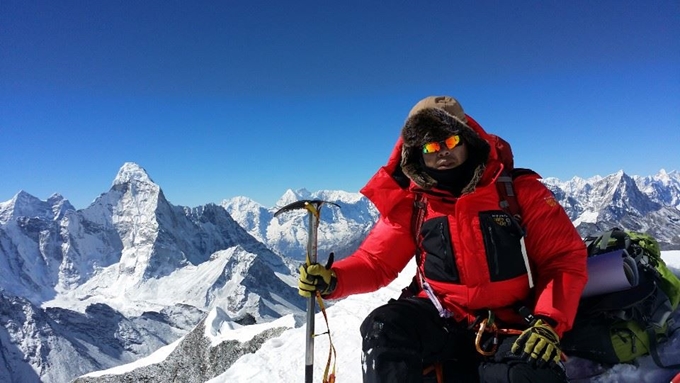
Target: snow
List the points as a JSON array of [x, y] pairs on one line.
[[672, 258], [220, 327], [186, 285], [157, 357], [282, 359], [586, 217], [130, 172]]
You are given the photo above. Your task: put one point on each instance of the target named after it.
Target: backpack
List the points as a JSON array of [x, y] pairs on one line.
[[619, 326]]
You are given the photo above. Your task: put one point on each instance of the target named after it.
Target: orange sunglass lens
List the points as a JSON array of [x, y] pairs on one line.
[[431, 147], [452, 141]]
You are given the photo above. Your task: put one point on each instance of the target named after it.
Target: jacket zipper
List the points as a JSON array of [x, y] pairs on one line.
[[496, 266]]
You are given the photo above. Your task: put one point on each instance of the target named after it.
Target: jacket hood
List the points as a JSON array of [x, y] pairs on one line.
[[433, 124], [391, 185]]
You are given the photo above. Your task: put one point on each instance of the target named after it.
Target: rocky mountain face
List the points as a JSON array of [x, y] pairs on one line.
[[56, 344], [195, 359], [119, 266]]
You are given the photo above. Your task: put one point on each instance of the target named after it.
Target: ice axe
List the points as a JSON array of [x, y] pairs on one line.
[[313, 207]]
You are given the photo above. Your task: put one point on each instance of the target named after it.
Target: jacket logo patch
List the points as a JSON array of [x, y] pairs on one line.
[[501, 220], [551, 201]]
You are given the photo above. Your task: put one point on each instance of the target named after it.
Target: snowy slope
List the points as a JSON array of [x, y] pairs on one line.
[[281, 358]]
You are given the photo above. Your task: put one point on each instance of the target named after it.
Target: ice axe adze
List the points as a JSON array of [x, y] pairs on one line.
[[313, 207]]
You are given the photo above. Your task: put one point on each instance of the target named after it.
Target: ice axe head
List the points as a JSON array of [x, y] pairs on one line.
[[312, 206]]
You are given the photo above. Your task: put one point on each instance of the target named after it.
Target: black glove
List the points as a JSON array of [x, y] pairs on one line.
[[539, 344], [316, 277]]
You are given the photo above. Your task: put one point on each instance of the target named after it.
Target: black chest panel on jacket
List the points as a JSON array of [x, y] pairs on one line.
[[440, 263], [502, 246]]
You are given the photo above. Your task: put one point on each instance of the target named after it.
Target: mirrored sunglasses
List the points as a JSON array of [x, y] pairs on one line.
[[450, 143]]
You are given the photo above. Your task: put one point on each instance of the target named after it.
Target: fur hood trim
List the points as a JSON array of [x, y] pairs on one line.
[[433, 124]]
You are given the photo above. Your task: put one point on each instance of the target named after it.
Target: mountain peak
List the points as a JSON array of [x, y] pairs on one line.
[[241, 202], [664, 176], [291, 196], [28, 205], [23, 196], [131, 172], [14, 206], [618, 178]]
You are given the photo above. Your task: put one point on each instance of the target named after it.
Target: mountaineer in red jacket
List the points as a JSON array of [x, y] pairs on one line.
[[494, 292]]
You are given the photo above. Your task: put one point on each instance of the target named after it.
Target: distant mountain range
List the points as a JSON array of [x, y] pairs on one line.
[[89, 289], [341, 229], [649, 204]]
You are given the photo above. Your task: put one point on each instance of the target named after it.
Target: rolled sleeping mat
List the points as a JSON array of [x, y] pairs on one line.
[[610, 272]]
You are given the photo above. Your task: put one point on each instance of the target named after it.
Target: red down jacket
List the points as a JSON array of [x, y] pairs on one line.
[[463, 257]]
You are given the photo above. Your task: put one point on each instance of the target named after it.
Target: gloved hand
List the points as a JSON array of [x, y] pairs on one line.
[[316, 277], [539, 343]]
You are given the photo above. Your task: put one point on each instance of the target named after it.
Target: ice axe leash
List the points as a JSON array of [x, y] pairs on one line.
[[313, 208]]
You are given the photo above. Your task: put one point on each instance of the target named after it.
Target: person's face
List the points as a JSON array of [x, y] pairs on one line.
[[445, 155]]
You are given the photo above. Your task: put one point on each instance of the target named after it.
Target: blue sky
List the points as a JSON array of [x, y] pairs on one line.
[[235, 98]]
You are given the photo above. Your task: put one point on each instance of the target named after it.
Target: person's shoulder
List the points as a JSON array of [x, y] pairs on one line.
[[527, 182], [521, 173]]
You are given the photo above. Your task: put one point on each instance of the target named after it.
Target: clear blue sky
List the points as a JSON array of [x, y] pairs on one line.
[[227, 98]]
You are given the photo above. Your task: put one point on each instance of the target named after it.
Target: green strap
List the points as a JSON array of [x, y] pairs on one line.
[[604, 239]]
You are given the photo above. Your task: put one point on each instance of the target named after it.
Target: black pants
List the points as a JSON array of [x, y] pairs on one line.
[[401, 337]]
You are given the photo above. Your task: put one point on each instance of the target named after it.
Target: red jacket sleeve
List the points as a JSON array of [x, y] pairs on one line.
[[556, 251], [382, 255]]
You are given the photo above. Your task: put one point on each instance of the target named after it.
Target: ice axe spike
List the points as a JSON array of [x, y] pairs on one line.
[[313, 207]]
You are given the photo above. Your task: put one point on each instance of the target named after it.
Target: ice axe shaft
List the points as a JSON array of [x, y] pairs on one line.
[[313, 208]]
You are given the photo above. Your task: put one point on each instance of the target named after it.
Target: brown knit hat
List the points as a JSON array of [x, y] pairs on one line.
[[435, 118], [445, 103]]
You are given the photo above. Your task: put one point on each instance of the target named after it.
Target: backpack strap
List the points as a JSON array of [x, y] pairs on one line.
[[417, 219], [654, 349], [604, 240], [600, 242], [509, 204], [508, 199], [418, 282], [506, 192]]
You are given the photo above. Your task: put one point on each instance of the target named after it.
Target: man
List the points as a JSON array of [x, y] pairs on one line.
[[480, 266]]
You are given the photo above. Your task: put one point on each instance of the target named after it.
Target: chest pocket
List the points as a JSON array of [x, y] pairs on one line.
[[502, 244], [439, 263]]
